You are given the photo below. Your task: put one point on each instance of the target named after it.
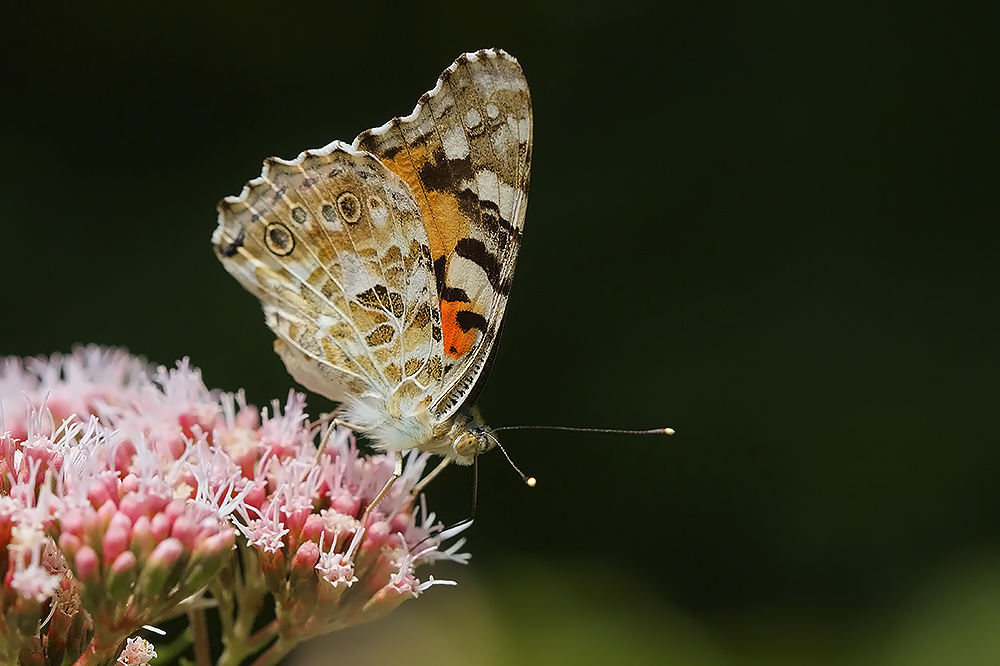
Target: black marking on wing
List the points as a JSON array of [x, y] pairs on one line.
[[231, 249], [487, 212], [380, 298], [468, 319], [443, 174], [454, 295], [475, 251], [388, 152], [446, 293], [440, 265]]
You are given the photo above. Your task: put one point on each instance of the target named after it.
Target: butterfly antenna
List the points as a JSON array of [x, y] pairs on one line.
[[475, 490], [529, 481], [449, 531], [616, 431]]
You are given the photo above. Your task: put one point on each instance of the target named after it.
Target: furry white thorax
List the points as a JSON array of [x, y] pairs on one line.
[[391, 430]]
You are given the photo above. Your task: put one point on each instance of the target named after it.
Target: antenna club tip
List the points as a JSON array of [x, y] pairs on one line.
[[668, 431], [531, 482]]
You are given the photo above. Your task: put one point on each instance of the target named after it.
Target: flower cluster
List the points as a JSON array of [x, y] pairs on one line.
[[129, 496]]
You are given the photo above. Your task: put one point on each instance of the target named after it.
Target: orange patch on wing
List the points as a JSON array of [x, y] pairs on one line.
[[443, 220], [457, 342]]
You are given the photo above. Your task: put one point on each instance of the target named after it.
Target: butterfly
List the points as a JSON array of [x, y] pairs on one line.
[[384, 266]]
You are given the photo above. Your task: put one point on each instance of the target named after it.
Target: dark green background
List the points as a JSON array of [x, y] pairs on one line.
[[772, 226]]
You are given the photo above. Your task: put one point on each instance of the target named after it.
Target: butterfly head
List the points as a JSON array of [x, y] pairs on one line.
[[468, 437]]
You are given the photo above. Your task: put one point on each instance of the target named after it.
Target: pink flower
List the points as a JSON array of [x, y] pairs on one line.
[[128, 492], [137, 651]]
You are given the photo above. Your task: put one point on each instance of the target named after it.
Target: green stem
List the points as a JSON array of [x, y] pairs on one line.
[[236, 652], [275, 653]]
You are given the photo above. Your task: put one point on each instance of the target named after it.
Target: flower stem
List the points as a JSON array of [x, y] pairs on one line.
[[236, 651], [199, 628], [275, 653]]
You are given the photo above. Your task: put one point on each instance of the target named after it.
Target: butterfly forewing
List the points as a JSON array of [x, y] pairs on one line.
[[465, 153]]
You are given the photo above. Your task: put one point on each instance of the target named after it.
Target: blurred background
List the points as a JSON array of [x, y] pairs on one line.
[[772, 226]]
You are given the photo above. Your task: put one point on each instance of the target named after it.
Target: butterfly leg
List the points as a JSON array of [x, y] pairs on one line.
[[423, 483], [332, 426], [396, 473], [355, 428], [325, 440]]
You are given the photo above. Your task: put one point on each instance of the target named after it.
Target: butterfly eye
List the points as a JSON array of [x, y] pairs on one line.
[[467, 445]]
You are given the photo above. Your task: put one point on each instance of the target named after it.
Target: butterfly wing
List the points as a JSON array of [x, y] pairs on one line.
[[465, 153], [334, 247]]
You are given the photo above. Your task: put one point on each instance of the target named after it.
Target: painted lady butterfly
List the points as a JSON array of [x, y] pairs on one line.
[[384, 266]]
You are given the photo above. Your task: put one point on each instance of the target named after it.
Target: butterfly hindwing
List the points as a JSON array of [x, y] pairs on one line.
[[334, 247]]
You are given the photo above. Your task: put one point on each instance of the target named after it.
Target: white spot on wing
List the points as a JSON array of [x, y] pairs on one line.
[[456, 147], [493, 189], [356, 277], [502, 140], [379, 212], [488, 186], [413, 133], [442, 106]]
